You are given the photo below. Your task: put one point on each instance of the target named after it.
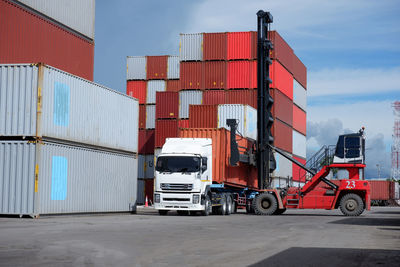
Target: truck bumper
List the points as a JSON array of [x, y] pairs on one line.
[[170, 201]]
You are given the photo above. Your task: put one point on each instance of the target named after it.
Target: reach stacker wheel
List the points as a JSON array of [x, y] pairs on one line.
[[265, 204], [351, 205]]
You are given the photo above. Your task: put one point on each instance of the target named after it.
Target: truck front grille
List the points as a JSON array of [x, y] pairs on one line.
[[176, 186]]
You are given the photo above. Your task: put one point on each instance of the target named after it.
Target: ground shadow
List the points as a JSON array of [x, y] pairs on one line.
[[387, 212], [297, 256], [369, 221]]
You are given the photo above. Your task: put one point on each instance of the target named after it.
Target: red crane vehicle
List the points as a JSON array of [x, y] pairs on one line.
[[184, 169]]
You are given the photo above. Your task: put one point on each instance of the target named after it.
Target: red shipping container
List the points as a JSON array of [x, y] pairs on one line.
[[299, 71], [149, 189], [246, 97], [191, 75], [156, 68], [242, 74], [214, 46], [282, 51], [299, 174], [283, 107], [283, 135], [242, 175], [173, 85], [30, 38], [240, 45], [215, 74], [214, 97], [203, 116], [381, 190], [299, 120], [142, 116], [167, 105], [183, 123], [165, 129], [146, 142], [137, 89]]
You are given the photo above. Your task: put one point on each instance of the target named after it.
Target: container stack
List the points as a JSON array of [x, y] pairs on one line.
[[218, 80], [62, 150], [147, 77], [57, 33]]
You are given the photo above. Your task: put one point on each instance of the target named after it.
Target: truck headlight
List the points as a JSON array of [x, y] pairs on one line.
[[156, 198], [196, 199]]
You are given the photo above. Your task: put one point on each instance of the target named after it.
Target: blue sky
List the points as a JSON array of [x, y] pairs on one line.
[[351, 50]]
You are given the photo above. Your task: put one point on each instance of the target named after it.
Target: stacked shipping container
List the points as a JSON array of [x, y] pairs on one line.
[[53, 125], [218, 80], [146, 77]]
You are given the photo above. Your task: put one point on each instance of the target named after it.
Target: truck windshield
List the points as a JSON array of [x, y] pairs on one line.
[[178, 164]]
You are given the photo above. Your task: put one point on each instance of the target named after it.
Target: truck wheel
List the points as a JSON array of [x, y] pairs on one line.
[[207, 207], [222, 208], [351, 205], [229, 204], [265, 204], [163, 212]]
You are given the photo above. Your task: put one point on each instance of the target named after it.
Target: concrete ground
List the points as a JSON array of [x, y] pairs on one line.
[[296, 238]]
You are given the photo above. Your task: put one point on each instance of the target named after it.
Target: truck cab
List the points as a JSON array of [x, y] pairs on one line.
[[183, 174]]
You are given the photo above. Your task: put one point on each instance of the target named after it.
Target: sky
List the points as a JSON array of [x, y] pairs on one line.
[[350, 48]]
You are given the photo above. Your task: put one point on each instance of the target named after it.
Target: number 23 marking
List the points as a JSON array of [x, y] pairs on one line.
[[350, 184]]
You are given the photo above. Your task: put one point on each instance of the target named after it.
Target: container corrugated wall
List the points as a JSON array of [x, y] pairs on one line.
[[165, 129], [136, 68], [299, 120], [214, 97], [167, 105], [153, 87], [242, 74], [137, 89], [173, 67], [142, 116], [141, 166], [299, 174], [69, 179], [191, 75], [27, 37], [215, 74], [240, 45], [283, 167], [282, 107], [78, 15], [282, 51], [72, 109], [215, 46], [141, 198], [299, 71], [173, 85], [149, 167], [203, 116], [187, 98], [245, 115], [157, 67], [283, 135], [146, 141], [281, 79], [191, 47], [299, 95], [299, 144], [150, 116]]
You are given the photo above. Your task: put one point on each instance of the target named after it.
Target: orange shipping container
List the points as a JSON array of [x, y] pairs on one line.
[[242, 175], [299, 120], [203, 116], [137, 89]]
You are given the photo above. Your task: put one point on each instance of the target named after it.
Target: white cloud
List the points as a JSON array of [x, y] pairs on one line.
[[353, 81]]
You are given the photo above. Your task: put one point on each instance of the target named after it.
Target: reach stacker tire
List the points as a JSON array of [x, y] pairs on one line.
[[265, 204], [351, 205]]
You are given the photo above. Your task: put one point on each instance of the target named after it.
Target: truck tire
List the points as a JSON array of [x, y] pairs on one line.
[[162, 212], [265, 204], [222, 209], [229, 205], [351, 205], [207, 206]]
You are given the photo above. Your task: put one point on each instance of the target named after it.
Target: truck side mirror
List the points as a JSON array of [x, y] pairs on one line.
[[203, 164]]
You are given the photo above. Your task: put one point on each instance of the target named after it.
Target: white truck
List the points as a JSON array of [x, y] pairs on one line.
[[183, 179]]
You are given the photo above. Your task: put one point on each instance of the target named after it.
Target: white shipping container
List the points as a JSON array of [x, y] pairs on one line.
[[186, 98], [152, 87], [79, 15], [150, 116], [245, 115], [280, 182], [50, 178], [41, 101], [284, 167], [149, 167], [173, 68], [299, 95], [299, 144], [136, 68], [141, 166], [191, 47], [140, 192]]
